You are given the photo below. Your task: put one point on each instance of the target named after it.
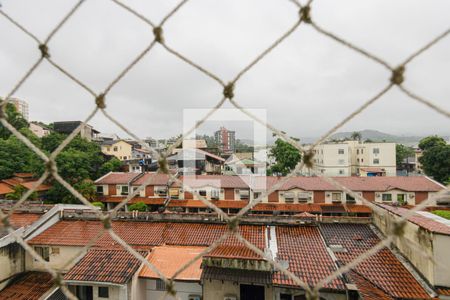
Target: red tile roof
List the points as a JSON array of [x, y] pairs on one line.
[[295, 207], [367, 289], [117, 178], [20, 219], [79, 233], [385, 183], [307, 256], [445, 291], [118, 199], [28, 286], [221, 181], [105, 265], [382, 269], [420, 220], [357, 208], [29, 184], [307, 184], [156, 179], [5, 188], [168, 259]]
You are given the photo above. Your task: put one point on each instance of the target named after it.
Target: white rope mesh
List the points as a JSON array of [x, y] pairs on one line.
[[394, 77]]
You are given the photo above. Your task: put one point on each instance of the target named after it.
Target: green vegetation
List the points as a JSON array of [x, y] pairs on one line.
[[19, 190], [443, 213], [286, 157], [99, 204], [80, 162], [402, 152], [139, 206], [436, 158]]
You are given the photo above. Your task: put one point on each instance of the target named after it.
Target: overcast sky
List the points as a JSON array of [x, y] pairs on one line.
[[307, 84]]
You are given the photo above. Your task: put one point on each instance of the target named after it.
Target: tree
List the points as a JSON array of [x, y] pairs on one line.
[[431, 141], [286, 156], [356, 136], [99, 204], [18, 191], [402, 152], [436, 161], [112, 165], [14, 118], [139, 206]]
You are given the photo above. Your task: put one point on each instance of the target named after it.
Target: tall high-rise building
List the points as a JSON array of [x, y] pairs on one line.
[[21, 107], [226, 140]]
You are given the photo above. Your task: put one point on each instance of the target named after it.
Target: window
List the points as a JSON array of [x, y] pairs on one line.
[[202, 193], [244, 194], [215, 194], [103, 292], [55, 250], [124, 157], [357, 151], [100, 190], [124, 189], [289, 197], [349, 198], [340, 151], [43, 252], [362, 151], [376, 150], [341, 172], [386, 197], [336, 197], [401, 198], [160, 285], [376, 161], [357, 160], [161, 191], [303, 197], [115, 149], [108, 149], [256, 195]]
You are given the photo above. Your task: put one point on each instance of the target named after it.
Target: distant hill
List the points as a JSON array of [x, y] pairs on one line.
[[378, 136]]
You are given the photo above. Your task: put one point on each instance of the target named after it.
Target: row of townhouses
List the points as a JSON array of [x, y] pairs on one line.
[[311, 194], [308, 249]]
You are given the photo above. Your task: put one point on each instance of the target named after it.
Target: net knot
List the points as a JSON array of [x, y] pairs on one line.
[[312, 295], [233, 224], [106, 220], [397, 75], [158, 33], [228, 90], [308, 159], [58, 280], [100, 101], [44, 51], [305, 14], [51, 166], [170, 288], [398, 228], [163, 167]]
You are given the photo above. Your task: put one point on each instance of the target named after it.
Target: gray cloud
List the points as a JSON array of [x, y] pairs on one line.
[[307, 84]]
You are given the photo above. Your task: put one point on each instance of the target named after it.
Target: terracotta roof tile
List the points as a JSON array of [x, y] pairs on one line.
[[367, 289], [117, 178], [382, 269], [168, 259], [357, 208], [304, 250], [384, 183], [5, 188], [28, 286], [29, 184], [420, 220], [105, 265], [445, 291], [20, 219], [79, 233], [156, 179]]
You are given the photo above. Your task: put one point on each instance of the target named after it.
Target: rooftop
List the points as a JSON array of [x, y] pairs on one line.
[[28, 286], [105, 265]]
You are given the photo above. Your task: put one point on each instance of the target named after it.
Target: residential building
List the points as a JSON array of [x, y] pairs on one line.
[[237, 164], [226, 140], [196, 161], [307, 248], [354, 158], [67, 127], [21, 107], [24, 180], [39, 129], [121, 149], [298, 194]]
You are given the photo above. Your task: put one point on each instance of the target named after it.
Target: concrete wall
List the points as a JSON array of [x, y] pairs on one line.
[[215, 289], [57, 261], [294, 292], [418, 245], [115, 292], [296, 193], [11, 262], [184, 290]]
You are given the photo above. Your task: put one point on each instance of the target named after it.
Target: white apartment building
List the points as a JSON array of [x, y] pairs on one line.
[[21, 107], [354, 158]]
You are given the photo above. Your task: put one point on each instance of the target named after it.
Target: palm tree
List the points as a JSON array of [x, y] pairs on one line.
[[356, 136]]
